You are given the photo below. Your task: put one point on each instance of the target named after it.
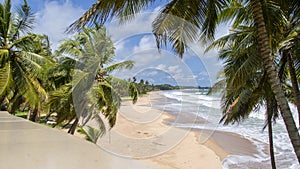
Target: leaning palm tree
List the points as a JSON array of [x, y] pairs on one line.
[[23, 57], [267, 56], [91, 91], [290, 56], [243, 39], [202, 15], [244, 82]]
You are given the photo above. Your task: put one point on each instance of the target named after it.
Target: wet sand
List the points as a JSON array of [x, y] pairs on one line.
[[145, 133]]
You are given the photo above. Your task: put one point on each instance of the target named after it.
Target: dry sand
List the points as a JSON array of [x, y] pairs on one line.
[[141, 132]]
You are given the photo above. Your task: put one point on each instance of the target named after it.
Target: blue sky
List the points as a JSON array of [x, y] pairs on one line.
[[133, 41]]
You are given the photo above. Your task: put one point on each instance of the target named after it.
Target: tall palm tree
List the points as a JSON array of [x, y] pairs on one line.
[[289, 50], [23, 57], [196, 16], [244, 83], [237, 38], [90, 92], [267, 56]]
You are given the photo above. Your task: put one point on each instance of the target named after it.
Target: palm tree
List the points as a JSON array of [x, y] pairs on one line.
[[267, 56], [237, 37], [23, 57], [90, 92], [194, 17], [289, 51], [244, 83]]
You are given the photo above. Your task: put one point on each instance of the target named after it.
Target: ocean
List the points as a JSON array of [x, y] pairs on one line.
[[193, 103]]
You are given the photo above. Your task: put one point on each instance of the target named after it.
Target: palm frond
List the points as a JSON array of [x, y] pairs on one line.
[[238, 105], [24, 42], [14, 103], [104, 10], [100, 123], [5, 19], [107, 100], [5, 78], [124, 88], [28, 86], [213, 8], [243, 34], [82, 81], [70, 47], [92, 134], [236, 12], [219, 86], [178, 24], [119, 66], [24, 20]]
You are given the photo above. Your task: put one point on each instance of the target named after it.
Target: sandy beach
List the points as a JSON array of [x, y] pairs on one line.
[[142, 132]]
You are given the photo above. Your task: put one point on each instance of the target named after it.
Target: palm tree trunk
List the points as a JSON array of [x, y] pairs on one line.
[[294, 84], [266, 54], [2, 106], [270, 131], [270, 112], [28, 114], [73, 127], [35, 115]]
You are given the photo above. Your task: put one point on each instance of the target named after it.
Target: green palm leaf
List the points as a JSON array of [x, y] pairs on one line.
[[119, 66], [24, 20], [104, 10], [5, 78], [92, 134]]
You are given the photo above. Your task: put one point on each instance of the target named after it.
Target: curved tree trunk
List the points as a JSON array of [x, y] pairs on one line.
[[270, 131], [294, 84], [73, 127], [2, 106], [35, 115], [266, 54], [270, 112]]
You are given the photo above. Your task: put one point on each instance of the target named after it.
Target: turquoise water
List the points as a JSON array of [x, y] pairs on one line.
[[206, 107]]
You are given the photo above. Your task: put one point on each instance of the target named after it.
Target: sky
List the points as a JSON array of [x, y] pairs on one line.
[[133, 41]]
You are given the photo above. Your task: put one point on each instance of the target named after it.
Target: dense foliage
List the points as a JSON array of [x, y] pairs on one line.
[[65, 89]]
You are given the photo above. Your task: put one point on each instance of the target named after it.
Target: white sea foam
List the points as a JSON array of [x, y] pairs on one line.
[[208, 101], [250, 129]]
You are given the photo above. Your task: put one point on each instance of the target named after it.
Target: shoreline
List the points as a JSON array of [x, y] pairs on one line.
[[218, 140], [144, 133], [141, 133]]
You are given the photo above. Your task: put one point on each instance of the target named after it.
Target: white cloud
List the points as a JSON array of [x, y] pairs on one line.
[[178, 72], [175, 69], [147, 42], [172, 70], [145, 52], [203, 73], [54, 18], [141, 24], [161, 67]]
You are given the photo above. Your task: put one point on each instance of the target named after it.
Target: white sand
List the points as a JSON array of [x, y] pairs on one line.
[[140, 133]]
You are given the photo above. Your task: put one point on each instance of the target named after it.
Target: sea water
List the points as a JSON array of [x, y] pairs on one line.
[[209, 108]]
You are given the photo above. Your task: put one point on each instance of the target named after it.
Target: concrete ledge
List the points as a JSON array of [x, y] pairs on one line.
[[27, 145]]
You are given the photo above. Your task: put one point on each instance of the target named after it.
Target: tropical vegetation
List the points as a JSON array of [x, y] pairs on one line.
[[73, 85], [91, 90], [180, 22], [67, 88], [24, 57], [244, 79]]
